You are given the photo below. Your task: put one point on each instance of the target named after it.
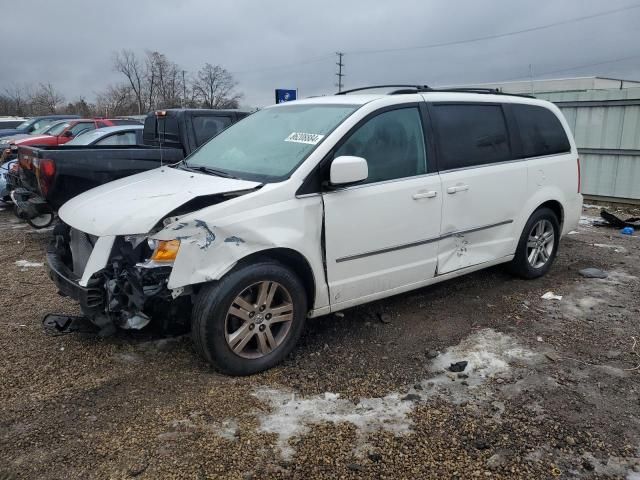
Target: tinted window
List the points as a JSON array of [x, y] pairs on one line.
[[123, 138], [471, 134], [540, 130], [392, 143], [209, 127]]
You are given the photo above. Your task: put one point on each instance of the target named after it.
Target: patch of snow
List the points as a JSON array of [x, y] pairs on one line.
[[551, 296], [291, 415], [488, 354], [573, 232], [587, 220], [615, 248], [590, 205], [24, 264]]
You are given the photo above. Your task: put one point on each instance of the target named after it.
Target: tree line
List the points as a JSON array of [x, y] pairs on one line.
[[149, 81]]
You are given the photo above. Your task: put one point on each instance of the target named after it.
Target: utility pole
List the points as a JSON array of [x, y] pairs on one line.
[[340, 74], [531, 79], [184, 91]]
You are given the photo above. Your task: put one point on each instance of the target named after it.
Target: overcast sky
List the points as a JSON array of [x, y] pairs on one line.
[[271, 44]]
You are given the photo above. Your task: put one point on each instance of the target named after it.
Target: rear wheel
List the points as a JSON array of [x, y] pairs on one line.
[[538, 245], [251, 319]]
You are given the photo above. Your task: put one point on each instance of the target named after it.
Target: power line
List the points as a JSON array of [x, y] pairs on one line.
[[577, 67], [442, 44], [340, 74], [499, 35]]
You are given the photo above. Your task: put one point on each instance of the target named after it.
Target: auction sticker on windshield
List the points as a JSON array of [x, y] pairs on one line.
[[310, 138]]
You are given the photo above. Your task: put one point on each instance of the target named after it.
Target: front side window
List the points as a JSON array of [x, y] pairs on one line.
[[122, 138], [270, 144], [207, 127], [470, 135], [540, 130], [392, 143]]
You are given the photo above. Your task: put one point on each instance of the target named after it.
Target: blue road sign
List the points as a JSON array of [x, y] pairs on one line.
[[284, 95]]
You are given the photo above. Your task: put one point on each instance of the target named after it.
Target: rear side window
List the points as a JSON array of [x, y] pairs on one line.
[[208, 127], [392, 143], [470, 135], [540, 131]]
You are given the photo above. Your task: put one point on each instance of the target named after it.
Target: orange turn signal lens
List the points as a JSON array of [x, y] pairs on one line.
[[166, 251]]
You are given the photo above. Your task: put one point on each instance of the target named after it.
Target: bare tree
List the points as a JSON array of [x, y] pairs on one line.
[[214, 87], [127, 63], [116, 100], [17, 97], [45, 100]]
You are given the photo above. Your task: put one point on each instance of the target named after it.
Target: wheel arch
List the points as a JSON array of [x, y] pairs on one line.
[[292, 259], [556, 207]]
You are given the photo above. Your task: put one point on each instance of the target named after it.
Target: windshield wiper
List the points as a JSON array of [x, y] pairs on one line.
[[212, 171]]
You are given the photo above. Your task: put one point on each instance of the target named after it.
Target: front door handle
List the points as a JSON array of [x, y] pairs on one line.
[[430, 194], [457, 188]]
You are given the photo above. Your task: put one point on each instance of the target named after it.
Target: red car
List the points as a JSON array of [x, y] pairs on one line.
[[65, 131]]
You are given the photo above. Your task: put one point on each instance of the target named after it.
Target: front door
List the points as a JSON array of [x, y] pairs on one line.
[[381, 235], [483, 187]]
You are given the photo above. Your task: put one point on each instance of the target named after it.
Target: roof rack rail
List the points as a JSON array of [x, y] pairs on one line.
[[406, 89], [413, 87]]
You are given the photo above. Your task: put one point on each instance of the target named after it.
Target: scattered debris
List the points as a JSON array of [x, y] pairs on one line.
[[384, 317], [593, 273], [551, 296], [458, 366], [627, 231], [613, 221]]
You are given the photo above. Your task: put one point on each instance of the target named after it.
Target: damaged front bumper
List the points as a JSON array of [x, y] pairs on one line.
[[125, 293]]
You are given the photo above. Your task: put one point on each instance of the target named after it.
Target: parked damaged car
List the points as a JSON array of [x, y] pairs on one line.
[[315, 206]]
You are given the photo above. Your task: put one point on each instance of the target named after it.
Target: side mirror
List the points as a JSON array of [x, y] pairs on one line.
[[68, 134], [347, 169]]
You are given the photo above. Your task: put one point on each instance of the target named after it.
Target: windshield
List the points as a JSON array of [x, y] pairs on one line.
[[44, 126], [58, 129], [271, 143], [24, 125]]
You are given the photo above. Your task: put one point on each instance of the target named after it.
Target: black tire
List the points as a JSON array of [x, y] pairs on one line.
[[208, 323], [520, 265], [43, 220]]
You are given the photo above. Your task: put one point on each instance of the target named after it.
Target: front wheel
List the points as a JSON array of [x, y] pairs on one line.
[[251, 319], [538, 245]]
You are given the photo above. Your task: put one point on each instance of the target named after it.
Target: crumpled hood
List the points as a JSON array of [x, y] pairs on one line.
[[135, 204]]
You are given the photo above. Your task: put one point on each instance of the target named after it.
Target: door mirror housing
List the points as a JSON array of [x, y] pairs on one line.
[[347, 169], [68, 134]]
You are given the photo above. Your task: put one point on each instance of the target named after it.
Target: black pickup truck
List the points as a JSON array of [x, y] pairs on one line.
[[49, 176]]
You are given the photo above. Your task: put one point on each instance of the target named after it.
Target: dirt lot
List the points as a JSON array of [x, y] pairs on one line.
[[552, 388]]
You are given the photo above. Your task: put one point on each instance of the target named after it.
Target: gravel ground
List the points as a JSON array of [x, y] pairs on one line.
[[551, 389]]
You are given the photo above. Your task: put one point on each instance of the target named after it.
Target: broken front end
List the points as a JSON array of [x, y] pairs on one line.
[[119, 281]]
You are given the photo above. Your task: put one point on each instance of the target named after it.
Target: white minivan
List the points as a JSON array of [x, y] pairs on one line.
[[318, 205]]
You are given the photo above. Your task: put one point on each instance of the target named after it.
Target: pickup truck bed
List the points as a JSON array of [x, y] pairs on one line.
[[78, 169], [50, 176]]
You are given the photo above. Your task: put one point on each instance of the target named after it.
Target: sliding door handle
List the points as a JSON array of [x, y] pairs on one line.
[[419, 195], [458, 188]]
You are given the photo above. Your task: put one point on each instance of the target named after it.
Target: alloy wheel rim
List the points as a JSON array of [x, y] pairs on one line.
[[540, 243], [259, 320]]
